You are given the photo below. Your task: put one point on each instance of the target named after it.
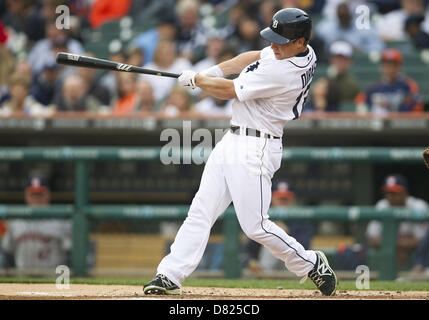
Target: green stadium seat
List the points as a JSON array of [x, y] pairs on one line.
[[348, 106]]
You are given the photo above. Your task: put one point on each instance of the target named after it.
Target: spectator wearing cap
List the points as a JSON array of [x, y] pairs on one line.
[[32, 245], [413, 27], [259, 258], [340, 86], [46, 83], [343, 27], [395, 191], [393, 92]]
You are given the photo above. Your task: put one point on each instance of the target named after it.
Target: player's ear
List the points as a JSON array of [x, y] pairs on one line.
[[302, 42]]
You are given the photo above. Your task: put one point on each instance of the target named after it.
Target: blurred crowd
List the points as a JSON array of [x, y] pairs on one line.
[[196, 34]]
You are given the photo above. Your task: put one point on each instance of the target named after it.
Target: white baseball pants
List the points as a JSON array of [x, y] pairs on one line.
[[238, 170]]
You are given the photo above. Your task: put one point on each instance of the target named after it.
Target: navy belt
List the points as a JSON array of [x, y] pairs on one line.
[[253, 133]]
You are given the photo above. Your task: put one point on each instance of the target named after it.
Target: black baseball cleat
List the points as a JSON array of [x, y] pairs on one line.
[[161, 285], [323, 276]]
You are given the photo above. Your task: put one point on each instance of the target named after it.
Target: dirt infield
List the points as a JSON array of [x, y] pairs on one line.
[[19, 291]]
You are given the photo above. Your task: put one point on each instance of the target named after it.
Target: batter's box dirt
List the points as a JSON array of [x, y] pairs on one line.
[[20, 291]]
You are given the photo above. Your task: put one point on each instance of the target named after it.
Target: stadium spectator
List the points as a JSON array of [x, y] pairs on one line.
[[385, 6], [266, 11], [259, 258], [74, 97], [94, 88], [165, 59], [48, 8], [179, 101], [148, 41], [248, 37], [343, 28], [311, 7], [211, 106], [103, 11], [214, 48], [339, 87], [146, 101], [235, 14], [329, 10], [394, 92], [395, 191], [46, 84], [126, 100], [45, 50], [7, 62], [143, 10], [109, 79], [391, 26], [135, 56], [208, 105], [32, 245], [23, 16], [20, 101], [23, 68], [414, 30], [192, 34]]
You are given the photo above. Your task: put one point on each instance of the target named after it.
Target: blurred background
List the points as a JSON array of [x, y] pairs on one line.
[[370, 90]]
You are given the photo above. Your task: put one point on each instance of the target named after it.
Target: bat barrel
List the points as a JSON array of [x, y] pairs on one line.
[[95, 63], [82, 61]]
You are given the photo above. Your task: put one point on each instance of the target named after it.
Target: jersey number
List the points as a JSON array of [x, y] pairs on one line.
[[304, 93]]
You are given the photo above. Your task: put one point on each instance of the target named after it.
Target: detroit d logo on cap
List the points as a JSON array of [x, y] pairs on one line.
[[275, 23]]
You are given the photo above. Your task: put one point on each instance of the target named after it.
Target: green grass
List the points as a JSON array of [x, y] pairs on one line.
[[237, 283]]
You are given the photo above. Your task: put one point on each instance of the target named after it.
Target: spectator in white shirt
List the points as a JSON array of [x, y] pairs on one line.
[[166, 60], [391, 26]]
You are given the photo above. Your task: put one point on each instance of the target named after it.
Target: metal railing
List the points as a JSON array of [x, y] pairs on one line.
[[81, 211]]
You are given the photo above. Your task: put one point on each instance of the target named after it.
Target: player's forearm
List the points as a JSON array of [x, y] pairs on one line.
[[217, 87], [238, 63]]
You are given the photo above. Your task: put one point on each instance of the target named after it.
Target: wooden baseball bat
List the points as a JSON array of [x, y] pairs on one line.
[[95, 63]]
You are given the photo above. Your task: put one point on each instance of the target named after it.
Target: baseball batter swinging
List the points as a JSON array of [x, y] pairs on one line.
[[270, 90]]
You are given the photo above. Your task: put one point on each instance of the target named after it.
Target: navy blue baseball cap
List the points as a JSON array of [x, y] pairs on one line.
[[282, 189], [395, 183], [287, 25]]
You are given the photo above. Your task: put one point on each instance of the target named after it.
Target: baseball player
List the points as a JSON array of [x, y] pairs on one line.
[[40, 243], [270, 90]]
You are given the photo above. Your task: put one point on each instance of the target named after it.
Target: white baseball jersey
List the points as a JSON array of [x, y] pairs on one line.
[[415, 229], [240, 167], [271, 92], [38, 243]]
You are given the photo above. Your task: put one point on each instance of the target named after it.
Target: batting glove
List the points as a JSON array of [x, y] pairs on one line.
[[187, 79]]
